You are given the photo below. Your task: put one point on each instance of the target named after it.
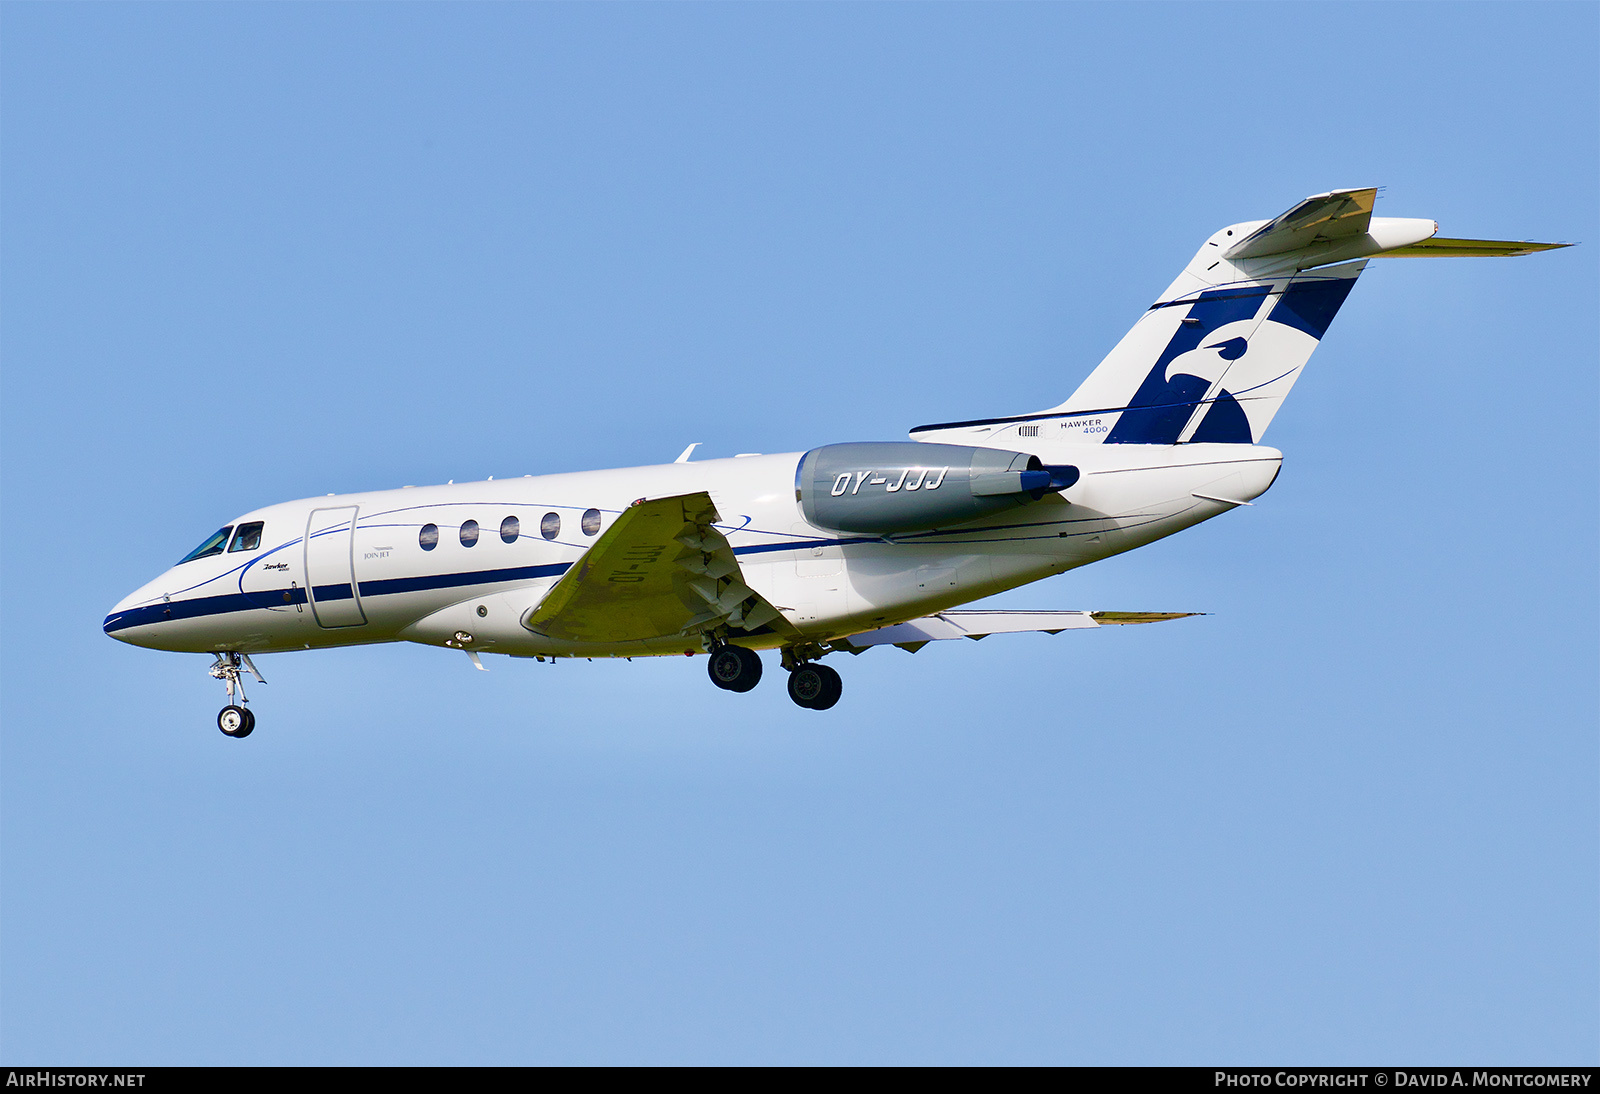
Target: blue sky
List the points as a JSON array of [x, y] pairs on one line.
[[259, 252]]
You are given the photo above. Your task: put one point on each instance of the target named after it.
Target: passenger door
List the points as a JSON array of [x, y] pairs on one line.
[[330, 567]]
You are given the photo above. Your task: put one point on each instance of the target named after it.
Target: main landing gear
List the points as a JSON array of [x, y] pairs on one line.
[[815, 687], [734, 668], [811, 685], [240, 720]]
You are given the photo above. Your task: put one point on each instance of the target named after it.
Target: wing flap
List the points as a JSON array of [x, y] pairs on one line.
[[662, 569], [975, 624]]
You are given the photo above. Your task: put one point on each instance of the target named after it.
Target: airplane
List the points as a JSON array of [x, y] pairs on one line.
[[842, 548]]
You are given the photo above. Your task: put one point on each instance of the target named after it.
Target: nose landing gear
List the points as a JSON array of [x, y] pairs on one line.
[[235, 721]]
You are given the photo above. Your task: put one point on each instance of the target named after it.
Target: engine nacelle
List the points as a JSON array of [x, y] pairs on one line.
[[884, 487]]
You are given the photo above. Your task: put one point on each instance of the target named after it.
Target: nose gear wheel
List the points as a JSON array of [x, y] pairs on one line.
[[236, 721]]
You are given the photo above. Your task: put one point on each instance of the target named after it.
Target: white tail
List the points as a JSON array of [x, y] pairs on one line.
[[1213, 358]]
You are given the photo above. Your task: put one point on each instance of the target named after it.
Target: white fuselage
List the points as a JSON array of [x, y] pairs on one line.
[[351, 568]]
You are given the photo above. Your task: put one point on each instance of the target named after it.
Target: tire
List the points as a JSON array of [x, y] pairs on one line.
[[734, 668], [815, 687], [236, 721], [834, 687], [805, 686]]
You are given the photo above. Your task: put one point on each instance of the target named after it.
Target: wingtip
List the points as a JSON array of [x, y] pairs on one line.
[[1104, 618]]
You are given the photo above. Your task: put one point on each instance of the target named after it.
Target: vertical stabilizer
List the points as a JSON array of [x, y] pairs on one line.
[[1214, 365], [1212, 360]]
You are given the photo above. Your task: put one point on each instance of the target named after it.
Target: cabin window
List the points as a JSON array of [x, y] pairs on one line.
[[469, 534], [510, 529], [428, 538], [591, 522], [212, 546], [550, 526], [247, 538]]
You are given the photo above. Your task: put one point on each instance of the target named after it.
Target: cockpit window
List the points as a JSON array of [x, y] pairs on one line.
[[247, 538], [212, 546]]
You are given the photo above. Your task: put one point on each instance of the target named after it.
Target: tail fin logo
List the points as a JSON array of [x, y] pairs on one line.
[[1217, 332], [1230, 350], [1163, 405]]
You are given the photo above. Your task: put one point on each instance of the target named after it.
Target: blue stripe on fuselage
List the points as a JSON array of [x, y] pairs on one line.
[[238, 602], [195, 607]]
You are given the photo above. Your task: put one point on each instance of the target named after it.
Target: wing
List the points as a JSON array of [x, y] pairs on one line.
[[661, 570], [913, 635]]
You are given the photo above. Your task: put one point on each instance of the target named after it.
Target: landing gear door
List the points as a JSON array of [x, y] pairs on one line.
[[330, 568]]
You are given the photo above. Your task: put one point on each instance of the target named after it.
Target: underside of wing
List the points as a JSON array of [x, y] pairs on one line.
[[661, 570], [976, 624]]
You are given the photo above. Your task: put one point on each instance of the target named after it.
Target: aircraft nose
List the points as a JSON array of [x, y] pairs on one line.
[[118, 619], [128, 618]]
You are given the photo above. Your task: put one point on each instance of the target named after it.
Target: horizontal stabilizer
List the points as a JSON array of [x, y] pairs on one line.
[[1469, 248], [975, 624], [1342, 214]]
